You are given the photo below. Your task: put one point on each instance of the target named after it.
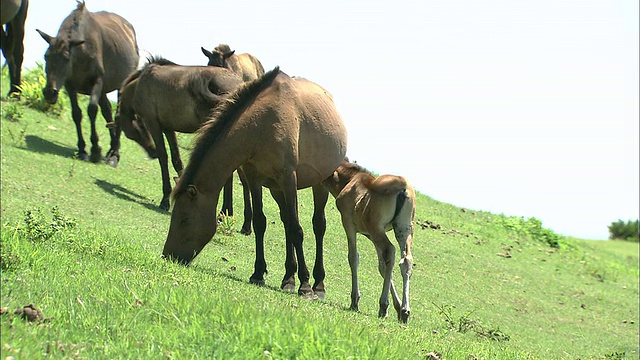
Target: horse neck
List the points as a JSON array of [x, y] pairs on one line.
[[222, 159]]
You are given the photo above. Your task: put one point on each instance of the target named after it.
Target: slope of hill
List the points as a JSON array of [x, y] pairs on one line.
[[81, 242]]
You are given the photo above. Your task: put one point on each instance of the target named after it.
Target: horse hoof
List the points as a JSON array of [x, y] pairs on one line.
[[112, 161], [254, 281], [288, 287], [320, 294], [95, 158], [244, 231], [403, 316], [83, 156], [164, 205], [305, 292]]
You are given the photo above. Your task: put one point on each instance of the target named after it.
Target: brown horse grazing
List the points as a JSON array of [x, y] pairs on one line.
[[14, 16], [245, 65], [166, 98], [91, 54], [372, 206], [286, 134]]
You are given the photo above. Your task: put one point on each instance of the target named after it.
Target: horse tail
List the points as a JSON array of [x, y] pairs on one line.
[[401, 199]]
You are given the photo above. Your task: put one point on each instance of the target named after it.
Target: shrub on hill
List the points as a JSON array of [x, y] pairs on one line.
[[622, 230]]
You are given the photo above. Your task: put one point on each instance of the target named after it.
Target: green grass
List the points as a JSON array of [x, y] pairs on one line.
[[82, 242]]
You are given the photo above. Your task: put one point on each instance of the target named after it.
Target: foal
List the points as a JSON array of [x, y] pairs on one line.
[[372, 206]]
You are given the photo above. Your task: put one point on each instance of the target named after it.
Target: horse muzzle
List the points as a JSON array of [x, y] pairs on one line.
[[50, 95]]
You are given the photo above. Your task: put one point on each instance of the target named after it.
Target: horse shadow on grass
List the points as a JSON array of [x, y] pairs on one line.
[[126, 194], [43, 146]]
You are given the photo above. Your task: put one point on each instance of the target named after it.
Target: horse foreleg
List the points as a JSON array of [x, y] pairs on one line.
[[14, 41], [92, 111], [248, 213], [76, 114], [259, 228], [113, 156], [290, 263], [320, 197], [294, 230], [386, 254]]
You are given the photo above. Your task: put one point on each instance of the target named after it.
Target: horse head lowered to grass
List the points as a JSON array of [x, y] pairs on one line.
[[287, 135], [91, 54], [372, 206]]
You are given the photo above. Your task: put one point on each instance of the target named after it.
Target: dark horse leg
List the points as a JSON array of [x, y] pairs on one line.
[[320, 197], [227, 198], [288, 203], [12, 43], [76, 114], [163, 160], [259, 228], [92, 111], [113, 156], [248, 214]]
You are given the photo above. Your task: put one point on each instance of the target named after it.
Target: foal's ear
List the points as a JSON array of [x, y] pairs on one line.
[[228, 55], [192, 191]]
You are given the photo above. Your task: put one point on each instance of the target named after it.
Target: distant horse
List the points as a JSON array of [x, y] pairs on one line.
[[245, 65], [92, 54], [286, 134], [162, 98], [14, 15], [372, 206]]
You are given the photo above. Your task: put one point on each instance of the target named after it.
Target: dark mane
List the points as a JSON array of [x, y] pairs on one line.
[[157, 60], [223, 48], [352, 169], [222, 117], [71, 24]]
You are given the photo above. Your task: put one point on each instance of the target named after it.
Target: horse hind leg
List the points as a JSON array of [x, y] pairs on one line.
[[386, 254], [113, 155], [76, 114], [248, 213], [404, 235], [92, 111]]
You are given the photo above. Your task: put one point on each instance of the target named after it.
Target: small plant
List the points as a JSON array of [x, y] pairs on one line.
[[226, 224], [36, 227], [12, 111], [465, 323], [624, 230]]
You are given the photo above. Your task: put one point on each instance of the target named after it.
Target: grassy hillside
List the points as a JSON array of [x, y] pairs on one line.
[[81, 242]]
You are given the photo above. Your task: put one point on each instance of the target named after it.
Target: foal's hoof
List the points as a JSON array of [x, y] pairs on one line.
[[164, 204]]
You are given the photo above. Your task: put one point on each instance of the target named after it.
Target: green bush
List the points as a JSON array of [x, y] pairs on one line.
[[531, 227], [624, 230]]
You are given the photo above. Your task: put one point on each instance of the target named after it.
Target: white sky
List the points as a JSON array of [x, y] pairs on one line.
[[522, 107]]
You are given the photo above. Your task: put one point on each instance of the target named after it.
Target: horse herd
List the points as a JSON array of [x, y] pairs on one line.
[[279, 132]]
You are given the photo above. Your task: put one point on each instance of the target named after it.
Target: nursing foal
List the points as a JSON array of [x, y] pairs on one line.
[[372, 206]]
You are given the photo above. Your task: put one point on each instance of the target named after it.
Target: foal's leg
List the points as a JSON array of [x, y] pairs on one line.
[[76, 114], [320, 197], [404, 235], [354, 259], [248, 214], [174, 150], [92, 111], [386, 254], [113, 155]]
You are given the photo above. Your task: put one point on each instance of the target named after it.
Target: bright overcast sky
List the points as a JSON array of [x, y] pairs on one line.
[[522, 107]]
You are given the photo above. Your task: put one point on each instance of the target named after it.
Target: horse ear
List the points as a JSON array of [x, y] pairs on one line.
[[206, 52], [228, 55], [74, 43], [192, 191], [45, 36]]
